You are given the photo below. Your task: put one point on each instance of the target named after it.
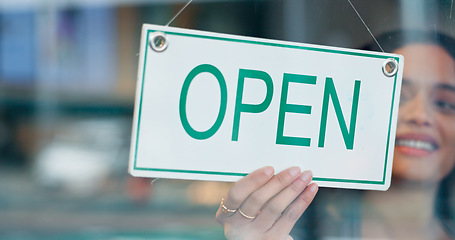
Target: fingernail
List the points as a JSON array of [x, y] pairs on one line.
[[268, 171], [306, 176], [294, 171], [314, 188]]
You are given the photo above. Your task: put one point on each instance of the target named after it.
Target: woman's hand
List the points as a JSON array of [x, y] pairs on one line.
[[264, 206]]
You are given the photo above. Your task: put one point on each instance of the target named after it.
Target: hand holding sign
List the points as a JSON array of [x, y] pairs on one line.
[[280, 199]]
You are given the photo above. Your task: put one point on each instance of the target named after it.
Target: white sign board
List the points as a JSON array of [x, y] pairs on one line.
[[213, 106]]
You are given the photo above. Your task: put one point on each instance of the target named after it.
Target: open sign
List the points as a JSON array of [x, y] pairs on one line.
[[216, 107]]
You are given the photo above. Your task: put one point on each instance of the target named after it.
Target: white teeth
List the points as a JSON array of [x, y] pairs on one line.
[[417, 144]]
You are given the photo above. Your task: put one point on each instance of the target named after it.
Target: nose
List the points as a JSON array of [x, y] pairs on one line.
[[417, 112]]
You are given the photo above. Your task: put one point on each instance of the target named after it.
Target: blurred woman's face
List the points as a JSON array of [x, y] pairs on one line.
[[425, 141]]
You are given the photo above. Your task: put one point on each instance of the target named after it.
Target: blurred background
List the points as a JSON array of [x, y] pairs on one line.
[[67, 86]]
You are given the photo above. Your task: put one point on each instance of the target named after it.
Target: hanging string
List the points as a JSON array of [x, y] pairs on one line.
[[176, 15], [365, 25], [358, 14]]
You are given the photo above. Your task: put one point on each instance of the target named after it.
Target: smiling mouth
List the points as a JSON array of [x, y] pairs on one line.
[[417, 144]]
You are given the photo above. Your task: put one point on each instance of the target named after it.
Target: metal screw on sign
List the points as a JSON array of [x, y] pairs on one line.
[[390, 67], [158, 42]]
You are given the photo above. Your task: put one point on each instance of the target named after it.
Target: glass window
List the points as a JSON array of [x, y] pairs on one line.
[[68, 73]]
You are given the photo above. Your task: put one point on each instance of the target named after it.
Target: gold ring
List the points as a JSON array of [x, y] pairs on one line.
[[225, 209], [243, 214]]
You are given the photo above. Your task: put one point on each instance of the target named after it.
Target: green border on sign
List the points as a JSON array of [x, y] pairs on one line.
[[266, 44]]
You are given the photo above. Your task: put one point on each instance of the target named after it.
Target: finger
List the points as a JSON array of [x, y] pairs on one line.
[[275, 207], [290, 216], [257, 199], [244, 187]]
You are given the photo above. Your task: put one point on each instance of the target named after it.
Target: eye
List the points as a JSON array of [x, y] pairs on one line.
[[444, 99], [406, 93], [446, 107]]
